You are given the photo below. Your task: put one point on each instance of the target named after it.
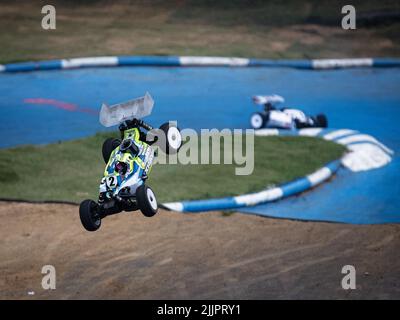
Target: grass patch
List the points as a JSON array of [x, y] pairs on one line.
[[72, 170]]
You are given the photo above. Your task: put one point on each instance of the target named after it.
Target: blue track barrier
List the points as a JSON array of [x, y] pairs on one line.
[[264, 196], [197, 61]]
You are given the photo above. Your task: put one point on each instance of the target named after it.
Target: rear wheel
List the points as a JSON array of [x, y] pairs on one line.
[[108, 146], [146, 200], [322, 121], [173, 139], [88, 212], [257, 120]]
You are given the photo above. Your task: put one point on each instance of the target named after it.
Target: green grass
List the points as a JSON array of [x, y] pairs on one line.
[[72, 170], [263, 29]]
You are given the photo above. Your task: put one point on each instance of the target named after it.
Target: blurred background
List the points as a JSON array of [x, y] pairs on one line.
[[246, 28]]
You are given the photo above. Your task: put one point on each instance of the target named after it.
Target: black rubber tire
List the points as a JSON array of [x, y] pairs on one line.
[[146, 201], [259, 123], [108, 146], [322, 121], [301, 125], [167, 146], [87, 213]]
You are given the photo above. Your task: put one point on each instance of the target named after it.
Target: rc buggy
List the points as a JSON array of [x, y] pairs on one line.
[[128, 162], [283, 118]]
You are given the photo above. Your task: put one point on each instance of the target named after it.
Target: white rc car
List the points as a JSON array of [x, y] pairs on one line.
[[283, 118]]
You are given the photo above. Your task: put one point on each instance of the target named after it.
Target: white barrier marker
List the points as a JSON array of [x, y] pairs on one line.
[[338, 133], [341, 63], [365, 156], [213, 61], [174, 206], [310, 132], [266, 132], [259, 197], [88, 62], [319, 176]]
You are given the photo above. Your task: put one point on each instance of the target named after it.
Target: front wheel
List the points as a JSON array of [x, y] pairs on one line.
[[88, 212], [257, 120], [146, 201]]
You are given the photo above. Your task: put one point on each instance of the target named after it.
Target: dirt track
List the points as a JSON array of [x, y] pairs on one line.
[[178, 256]]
